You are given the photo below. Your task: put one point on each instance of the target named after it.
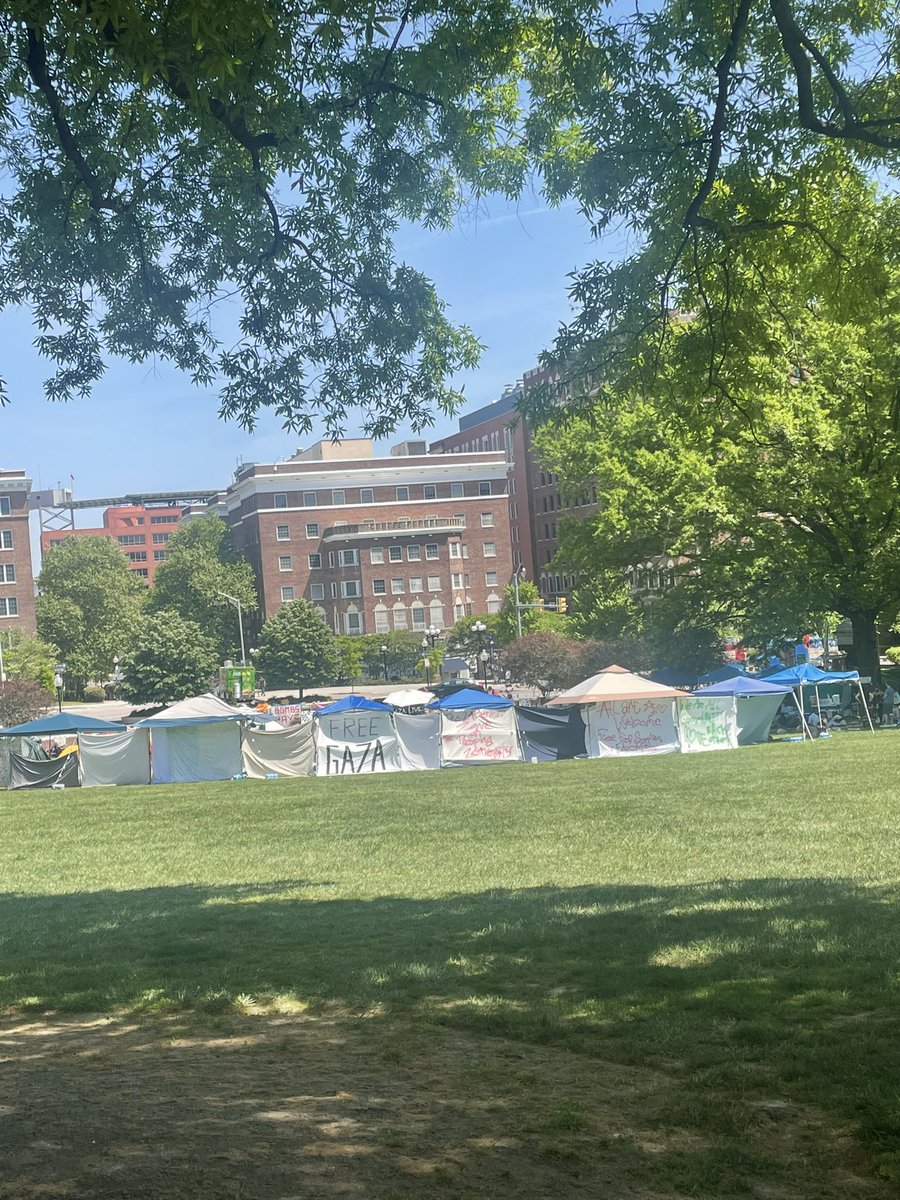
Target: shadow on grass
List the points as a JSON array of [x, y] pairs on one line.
[[743, 995]]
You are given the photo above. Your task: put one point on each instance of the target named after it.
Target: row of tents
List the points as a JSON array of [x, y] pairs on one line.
[[614, 713]]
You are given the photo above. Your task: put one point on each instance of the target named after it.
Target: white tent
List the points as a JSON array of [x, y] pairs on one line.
[[197, 740], [409, 698], [625, 714]]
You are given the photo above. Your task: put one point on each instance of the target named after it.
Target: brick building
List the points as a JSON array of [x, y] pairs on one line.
[[142, 532], [377, 544], [16, 577]]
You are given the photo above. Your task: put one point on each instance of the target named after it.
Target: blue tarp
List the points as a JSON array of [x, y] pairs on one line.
[[729, 671], [672, 677], [348, 703], [745, 685], [62, 723], [805, 673], [471, 698]]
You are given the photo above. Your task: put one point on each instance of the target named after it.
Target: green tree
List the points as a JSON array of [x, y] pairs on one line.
[[201, 568], [169, 659], [770, 480], [402, 652], [546, 661], [87, 605], [350, 657], [297, 649], [29, 658], [22, 700], [533, 619]]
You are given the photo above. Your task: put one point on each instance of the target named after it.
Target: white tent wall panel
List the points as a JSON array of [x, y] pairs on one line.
[[196, 753], [290, 752], [707, 723], [621, 728], [115, 759], [420, 741], [477, 736]]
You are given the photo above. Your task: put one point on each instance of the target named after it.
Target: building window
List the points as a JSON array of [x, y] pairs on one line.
[[282, 533], [493, 603], [455, 550], [484, 488], [382, 624], [317, 591], [142, 571], [436, 609], [456, 581], [170, 520], [395, 553], [379, 587], [398, 586], [137, 556], [430, 493], [339, 497], [402, 493], [415, 583], [418, 617], [490, 549], [414, 553], [432, 551], [333, 590], [354, 625], [309, 499], [376, 554], [459, 611], [7, 573], [281, 499], [4, 506], [349, 558], [159, 555], [351, 589], [487, 518], [460, 519], [315, 561], [366, 496], [287, 594], [312, 529], [160, 539], [6, 539], [457, 490], [399, 616], [286, 562], [490, 579], [131, 539], [434, 583], [9, 607]]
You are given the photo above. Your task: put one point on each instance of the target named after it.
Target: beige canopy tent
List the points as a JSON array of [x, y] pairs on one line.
[[615, 683], [625, 714]]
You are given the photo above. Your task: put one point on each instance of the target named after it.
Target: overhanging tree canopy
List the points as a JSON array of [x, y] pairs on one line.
[[164, 157]]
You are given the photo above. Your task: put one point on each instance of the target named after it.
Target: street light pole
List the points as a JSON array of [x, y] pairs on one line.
[[384, 651], [59, 683], [426, 661], [479, 630], [520, 570], [234, 600]]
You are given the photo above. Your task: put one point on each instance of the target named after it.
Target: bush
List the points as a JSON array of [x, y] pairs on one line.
[[93, 693], [22, 700]]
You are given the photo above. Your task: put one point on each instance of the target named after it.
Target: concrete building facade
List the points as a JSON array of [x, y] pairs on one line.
[[16, 576], [403, 542], [141, 531]]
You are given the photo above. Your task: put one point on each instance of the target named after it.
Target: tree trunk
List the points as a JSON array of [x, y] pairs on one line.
[[865, 644]]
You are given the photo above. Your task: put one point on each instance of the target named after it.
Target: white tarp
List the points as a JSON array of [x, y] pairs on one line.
[[108, 759], [288, 752], [707, 723], [194, 753], [624, 727], [420, 740], [755, 715], [356, 742], [479, 735]]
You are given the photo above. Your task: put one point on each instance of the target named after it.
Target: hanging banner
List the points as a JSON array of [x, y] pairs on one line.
[[356, 743], [289, 714], [707, 723], [479, 735], [620, 727]]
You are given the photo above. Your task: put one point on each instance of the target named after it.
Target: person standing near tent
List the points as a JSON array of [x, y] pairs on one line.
[[887, 707]]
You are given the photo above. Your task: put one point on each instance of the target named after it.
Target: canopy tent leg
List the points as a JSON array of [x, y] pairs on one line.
[[805, 727], [862, 696]]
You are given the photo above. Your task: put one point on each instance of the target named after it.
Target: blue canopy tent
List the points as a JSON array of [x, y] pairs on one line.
[[672, 677], [756, 703], [471, 698], [60, 724], [806, 675], [352, 703]]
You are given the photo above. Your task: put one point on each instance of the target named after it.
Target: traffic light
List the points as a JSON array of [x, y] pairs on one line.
[[562, 605]]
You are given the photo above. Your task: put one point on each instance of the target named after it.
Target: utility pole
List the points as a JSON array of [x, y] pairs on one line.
[[521, 568]]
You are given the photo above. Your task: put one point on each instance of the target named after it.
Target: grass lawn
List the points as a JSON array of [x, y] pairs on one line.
[[672, 977]]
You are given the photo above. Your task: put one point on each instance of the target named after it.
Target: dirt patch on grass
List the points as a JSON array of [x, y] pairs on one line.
[[277, 1108]]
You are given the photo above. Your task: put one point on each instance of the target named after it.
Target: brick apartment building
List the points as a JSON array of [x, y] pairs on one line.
[[16, 577], [536, 503], [377, 544], [142, 532]]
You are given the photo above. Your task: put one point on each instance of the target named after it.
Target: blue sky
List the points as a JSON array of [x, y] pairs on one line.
[[145, 428]]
